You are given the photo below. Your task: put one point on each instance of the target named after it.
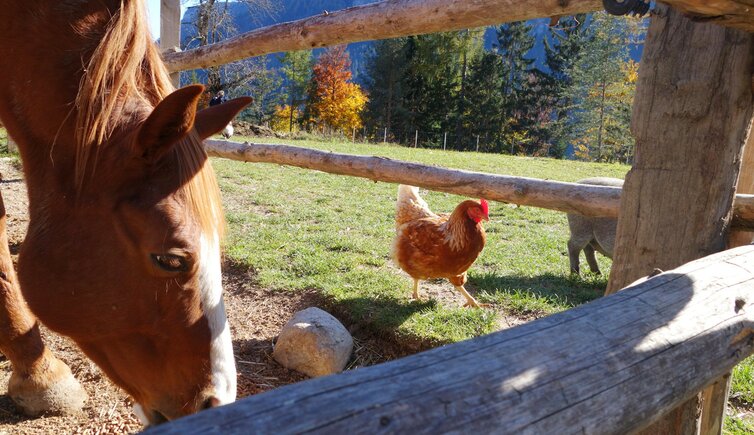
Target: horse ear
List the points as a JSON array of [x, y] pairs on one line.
[[214, 119], [168, 123]]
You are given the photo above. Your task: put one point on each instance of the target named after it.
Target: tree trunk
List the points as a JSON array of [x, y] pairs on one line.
[[462, 94], [602, 123], [691, 117]]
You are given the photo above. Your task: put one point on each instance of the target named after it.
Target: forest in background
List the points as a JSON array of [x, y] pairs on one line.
[[570, 98]]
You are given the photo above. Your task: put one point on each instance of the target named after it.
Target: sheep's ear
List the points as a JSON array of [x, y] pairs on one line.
[[168, 123], [214, 119]]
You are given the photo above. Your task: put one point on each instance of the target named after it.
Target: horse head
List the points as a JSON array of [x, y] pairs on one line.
[[130, 267]]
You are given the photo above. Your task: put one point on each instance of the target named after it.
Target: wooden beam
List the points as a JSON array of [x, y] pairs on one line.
[[691, 117], [600, 201], [732, 13], [571, 372], [170, 31], [745, 186], [395, 18], [567, 197], [382, 20], [692, 112], [743, 212]]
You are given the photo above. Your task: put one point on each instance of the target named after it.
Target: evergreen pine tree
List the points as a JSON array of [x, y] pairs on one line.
[[386, 68], [562, 45], [484, 101], [514, 43], [434, 78], [601, 91], [470, 47], [296, 67]]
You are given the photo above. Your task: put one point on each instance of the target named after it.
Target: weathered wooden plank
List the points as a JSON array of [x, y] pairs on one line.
[[567, 197], [382, 20], [170, 24], [745, 185], [743, 212], [692, 112], [170, 31], [394, 18], [715, 398], [572, 372], [732, 13], [691, 117]]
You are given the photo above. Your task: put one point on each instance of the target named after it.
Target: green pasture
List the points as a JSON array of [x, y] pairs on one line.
[[307, 230], [301, 230]]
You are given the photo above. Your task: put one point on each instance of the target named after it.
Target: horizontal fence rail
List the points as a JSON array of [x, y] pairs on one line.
[[588, 200], [610, 366], [381, 20], [395, 18]]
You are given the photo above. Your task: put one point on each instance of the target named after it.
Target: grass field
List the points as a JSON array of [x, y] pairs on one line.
[[306, 230], [333, 233]]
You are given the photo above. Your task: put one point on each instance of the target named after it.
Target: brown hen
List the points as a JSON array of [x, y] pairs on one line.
[[428, 245]]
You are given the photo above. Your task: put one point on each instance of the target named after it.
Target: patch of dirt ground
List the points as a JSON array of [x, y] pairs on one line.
[[255, 315]]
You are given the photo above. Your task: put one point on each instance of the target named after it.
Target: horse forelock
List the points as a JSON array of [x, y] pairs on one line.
[[200, 188], [126, 66]]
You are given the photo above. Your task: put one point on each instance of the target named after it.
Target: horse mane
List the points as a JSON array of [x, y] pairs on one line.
[[126, 65]]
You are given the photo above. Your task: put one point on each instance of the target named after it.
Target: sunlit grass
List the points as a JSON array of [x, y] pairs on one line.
[[301, 229]]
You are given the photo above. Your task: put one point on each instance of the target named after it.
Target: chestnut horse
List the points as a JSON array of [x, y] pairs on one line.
[[122, 252]]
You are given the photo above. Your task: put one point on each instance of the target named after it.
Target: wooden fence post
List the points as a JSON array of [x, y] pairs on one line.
[[691, 116], [571, 372], [745, 185], [716, 396], [170, 31]]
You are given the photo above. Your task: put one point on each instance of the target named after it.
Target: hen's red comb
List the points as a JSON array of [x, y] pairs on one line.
[[485, 206]]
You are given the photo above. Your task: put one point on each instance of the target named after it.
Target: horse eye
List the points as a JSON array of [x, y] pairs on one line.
[[170, 262]]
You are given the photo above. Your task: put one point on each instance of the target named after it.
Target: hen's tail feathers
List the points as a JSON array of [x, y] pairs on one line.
[[410, 205]]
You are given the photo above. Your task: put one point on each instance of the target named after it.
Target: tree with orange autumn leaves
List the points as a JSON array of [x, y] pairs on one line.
[[335, 103]]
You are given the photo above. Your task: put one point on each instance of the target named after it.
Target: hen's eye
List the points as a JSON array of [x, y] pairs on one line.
[[170, 262]]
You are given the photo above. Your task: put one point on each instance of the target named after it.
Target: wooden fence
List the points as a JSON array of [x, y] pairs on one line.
[[394, 18], [611, 366], [588, 200], [573, 372]]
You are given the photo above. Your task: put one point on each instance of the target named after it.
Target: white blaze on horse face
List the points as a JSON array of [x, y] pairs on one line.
[[221, 348], [140, 414]]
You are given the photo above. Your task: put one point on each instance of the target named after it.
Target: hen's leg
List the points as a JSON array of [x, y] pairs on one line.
[[470, 301], [416, 289]]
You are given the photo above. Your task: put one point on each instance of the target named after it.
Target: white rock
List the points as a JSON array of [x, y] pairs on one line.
[[314, 343]]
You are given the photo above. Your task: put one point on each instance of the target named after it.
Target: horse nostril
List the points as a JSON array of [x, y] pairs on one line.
[[211, 402]]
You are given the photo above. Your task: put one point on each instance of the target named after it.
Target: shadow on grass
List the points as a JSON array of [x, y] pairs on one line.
[[383, 316], [376, 316], [560, 291]]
